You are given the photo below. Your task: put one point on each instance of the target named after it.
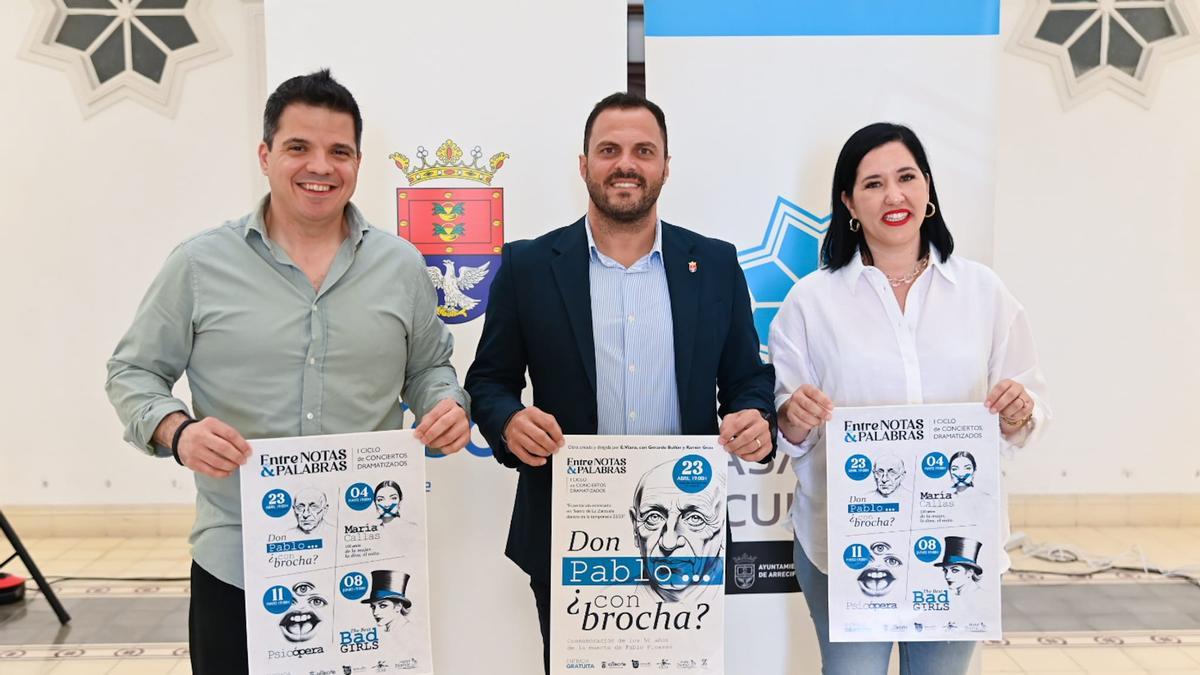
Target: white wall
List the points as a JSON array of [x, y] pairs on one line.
[[90, 210], [1096, 233], [1096, 223]]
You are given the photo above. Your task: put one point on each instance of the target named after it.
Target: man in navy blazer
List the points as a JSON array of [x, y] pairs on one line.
[[626, 324]]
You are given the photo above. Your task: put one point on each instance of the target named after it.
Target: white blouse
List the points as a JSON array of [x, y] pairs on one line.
[[960, 333]]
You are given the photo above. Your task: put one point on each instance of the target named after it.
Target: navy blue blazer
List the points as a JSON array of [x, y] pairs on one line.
[[539, 318]]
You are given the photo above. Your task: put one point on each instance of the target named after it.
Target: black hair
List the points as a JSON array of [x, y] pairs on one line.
[[964, 453], [841, 244], [391, 484], [625, 101], [317, 89]]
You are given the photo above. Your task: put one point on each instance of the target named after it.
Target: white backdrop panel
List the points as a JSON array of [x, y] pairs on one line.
[[518, 78]]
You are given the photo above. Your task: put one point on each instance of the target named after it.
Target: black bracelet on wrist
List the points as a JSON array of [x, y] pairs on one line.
[[175, 441]]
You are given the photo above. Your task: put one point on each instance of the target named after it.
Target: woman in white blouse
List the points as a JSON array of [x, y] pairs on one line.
[[891, 318]]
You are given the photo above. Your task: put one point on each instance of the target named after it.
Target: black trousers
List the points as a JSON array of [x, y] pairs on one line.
[[217, 626], [541, 595]]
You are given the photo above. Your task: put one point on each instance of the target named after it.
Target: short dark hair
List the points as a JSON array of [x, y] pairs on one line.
[[317, 89], [391, 484], [841, 245], [964, 453], [623, 100]]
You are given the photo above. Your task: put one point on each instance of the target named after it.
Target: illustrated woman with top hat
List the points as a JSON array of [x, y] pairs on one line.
[[891, 318], [389, 604], [960, 565]]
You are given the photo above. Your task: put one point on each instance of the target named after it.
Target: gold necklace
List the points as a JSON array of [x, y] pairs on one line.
[[911, 276]]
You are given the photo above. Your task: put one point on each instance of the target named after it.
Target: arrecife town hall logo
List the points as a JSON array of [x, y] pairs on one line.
[[459, 230]]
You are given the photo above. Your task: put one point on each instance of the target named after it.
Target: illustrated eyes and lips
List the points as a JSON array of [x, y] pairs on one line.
[[876, 578], [300, 623]]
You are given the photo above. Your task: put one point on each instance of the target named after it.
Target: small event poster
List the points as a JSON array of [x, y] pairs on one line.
[[638, 555], [914, 523], [333, 530]]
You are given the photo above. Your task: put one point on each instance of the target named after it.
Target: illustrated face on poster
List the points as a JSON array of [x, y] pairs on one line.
[[309, 506], [678, 531], [300, 623], [889, 475], [962, 471], [879, 576], [387, 501], [388, 600], [959, 565]]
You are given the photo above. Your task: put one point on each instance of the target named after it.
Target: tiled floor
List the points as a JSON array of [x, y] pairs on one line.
[[1115, 624]]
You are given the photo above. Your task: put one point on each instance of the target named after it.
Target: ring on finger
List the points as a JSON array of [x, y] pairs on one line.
[[758, 443]]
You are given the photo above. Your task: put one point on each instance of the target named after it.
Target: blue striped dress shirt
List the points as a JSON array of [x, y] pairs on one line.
[[636, 391]]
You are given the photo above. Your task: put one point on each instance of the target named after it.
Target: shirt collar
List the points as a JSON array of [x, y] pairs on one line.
[[597, 256], [355, 222], [855, 268]]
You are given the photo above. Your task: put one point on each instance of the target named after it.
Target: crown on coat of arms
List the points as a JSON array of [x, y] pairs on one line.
[[449, 163]]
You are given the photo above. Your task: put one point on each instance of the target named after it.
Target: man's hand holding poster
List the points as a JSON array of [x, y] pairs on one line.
[[914, 523], [638, 554], [335, 554]]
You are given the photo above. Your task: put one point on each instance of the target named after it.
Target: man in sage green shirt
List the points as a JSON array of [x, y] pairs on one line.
[[300, 318]]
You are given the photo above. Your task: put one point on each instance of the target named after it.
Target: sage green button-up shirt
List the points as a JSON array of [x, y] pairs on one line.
[[272, 357]]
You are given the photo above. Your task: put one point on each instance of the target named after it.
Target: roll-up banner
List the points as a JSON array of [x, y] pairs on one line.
[[473, 116], [759, 98]]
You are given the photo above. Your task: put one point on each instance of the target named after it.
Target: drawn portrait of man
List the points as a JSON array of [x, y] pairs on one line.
[[309, 506], [390, 605], [680, 535], [879, 576], [960, 565], [300, 622], [889, 473]]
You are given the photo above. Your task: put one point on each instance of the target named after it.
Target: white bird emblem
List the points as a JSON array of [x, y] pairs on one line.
[[452, 286]]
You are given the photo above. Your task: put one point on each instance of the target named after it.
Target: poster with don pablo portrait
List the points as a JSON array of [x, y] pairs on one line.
[[638, 554], [335, 558], [914, 523]]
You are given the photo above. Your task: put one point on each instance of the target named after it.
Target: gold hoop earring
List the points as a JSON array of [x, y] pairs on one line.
[[930, 209], [855, 226]]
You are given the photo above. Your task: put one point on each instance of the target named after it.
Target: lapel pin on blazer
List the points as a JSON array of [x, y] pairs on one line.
[[692, 266]]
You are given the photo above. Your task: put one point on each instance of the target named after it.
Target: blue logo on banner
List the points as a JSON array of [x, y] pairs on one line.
[[353, 586], [927, 549], [635, 571], [276, 503], [858, 467], [789, 250], [856, 556], [278, 599], [886, 507], [692, 473], [288, 546], [935, 465], [359, 496]]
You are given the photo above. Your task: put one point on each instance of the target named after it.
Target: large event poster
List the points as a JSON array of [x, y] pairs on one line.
[[333, 529], [638, 554], [914, 523]]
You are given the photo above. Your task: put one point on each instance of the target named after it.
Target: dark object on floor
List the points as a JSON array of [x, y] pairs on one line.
[[12, 588], [27, 560]]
